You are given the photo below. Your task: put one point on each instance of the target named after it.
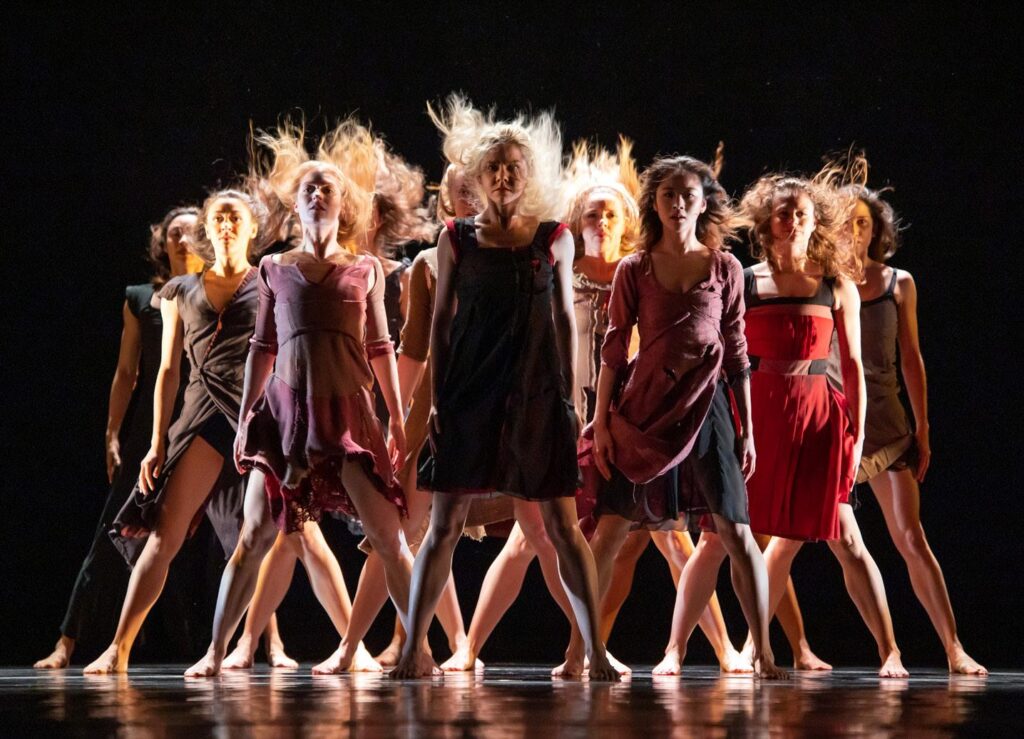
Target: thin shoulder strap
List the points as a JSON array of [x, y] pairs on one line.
[[749, 285], [556, 231], [890, 291], [830, 283]]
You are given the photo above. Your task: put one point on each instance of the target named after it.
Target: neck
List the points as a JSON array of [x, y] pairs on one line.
[[320, 240], [232, 262], [790, 258], [611, 251], [679, 242], [501, 213]]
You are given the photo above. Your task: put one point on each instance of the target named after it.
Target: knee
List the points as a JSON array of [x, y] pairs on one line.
[[912, 542], [256, 540], [389, 546], [561, 530], [847, 547], [446, 530]]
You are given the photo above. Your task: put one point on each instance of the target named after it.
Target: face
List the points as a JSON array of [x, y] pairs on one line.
[[460, 194], [679, 201], [792, 220], [602, 223], [230, 225], [862, 227], [504, 174], [180, 232], [318, 200]]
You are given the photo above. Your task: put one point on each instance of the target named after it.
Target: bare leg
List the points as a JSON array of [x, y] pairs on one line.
[[621, 582], [60, 657], [900, 498], [273, 645], [864, 584], [579, 578], [383, 528], [432, 569], [186, 490], [499, 591], [238, 582], [677, 547]]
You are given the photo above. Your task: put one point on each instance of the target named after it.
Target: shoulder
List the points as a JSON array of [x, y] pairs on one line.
[[732, 269], [179, 285], [425, 262], [138, 297], [630, 266]]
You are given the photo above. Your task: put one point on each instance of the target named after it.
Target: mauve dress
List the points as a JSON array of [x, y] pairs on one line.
[[215, 344], [318, 407], [671, 419]]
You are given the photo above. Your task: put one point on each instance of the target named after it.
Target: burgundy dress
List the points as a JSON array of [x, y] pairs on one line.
[[669, 398], [318, 409], [801, 428]]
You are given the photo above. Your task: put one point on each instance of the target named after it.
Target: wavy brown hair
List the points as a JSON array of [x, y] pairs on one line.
[[830, 245], [157, 251], [885, 224], [715, 226], [203, 247]]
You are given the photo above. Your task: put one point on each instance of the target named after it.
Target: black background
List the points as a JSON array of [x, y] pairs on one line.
[[111, 119]]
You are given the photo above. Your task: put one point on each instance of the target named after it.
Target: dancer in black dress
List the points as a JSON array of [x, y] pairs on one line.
[[189, 469], [129, 426], [503, 366]]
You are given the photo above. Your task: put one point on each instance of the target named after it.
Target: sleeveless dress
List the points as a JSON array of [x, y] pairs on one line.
[[318, 409], [215, 344], [507, 420], [888, 438], [802, 432], [671, 418]]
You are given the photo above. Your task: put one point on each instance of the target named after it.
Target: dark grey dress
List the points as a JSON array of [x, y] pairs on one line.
[[216, 345]]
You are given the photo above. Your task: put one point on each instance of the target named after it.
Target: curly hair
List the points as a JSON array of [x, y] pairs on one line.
[[715, 226], [830, 245], [157, 251], [469, 135], [592, 170], [885, 224], [279, 160], [203, 247]]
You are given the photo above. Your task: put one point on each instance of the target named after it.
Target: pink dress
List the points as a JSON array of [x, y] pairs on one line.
[[318, 409]]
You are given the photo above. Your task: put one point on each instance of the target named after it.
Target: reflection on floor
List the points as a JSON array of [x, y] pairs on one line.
[[506, 701]]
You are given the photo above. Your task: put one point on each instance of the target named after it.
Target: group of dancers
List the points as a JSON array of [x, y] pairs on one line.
[[579, 355]]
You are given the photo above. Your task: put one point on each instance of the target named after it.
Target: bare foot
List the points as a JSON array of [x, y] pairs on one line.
[[107, 663], [671, 665], [960, 663], [893, 666], [208, 666], [620, 668], [575, 663], [601, 669], [462, 661], [735, 663], [766, 668], [363, 661], [277, 657], [60, 657], [389, 657], [808, 660], [241, 657], [416, 664]]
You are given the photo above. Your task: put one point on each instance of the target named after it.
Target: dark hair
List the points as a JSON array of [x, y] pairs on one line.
[[158, 242], [203, 247], [716, 224], [885, 225]]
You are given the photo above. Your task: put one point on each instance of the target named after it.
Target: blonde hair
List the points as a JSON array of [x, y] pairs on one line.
[[275, 173], [830, 245], [591, 170], [445, 204], [469, 135]]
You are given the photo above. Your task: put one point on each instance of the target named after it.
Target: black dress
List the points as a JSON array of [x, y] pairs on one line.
[[216, 345], [505, 412]]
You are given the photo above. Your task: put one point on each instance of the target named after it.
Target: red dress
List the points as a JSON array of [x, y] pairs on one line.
[[802, 433]]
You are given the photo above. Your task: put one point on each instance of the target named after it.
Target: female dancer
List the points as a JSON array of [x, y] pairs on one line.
[[809, 436], [503, 366], [662, 437], [129, 426], [895, 458], [212, 314], [307, 428]]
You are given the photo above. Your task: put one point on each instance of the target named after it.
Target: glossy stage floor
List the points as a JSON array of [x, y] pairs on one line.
[[506, 701]]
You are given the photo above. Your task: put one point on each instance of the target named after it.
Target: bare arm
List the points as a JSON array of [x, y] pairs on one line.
[[848, 330], [125, 377], [168, 378], [415, 347], [410, 375], [381, 354], [912, 365], [562, 310], [445, 304]]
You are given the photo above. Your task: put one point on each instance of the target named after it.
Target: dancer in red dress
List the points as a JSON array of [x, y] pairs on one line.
[[809, 436]]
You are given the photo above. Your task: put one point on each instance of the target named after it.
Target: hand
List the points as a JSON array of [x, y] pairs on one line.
[[858, 453], [113, 456], [152, 466], [604, 451], [924, 453], [396, 443], [747, 455], [581, 421], [238, 448], [433, 429]]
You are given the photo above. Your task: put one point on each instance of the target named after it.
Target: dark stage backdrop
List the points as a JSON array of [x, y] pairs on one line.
[[111, 119]]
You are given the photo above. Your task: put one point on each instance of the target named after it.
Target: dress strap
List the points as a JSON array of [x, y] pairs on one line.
[[749, 286], [453, 237], [556, 231], [829, 283], [891, 290]]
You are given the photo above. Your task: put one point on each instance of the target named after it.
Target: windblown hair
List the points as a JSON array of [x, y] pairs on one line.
[[202, 245], [830, 245], [715, 226], [470, 134], [445, 205], [593, 170], [279, 160], [885, 224], [399, 195], [157, 254]]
